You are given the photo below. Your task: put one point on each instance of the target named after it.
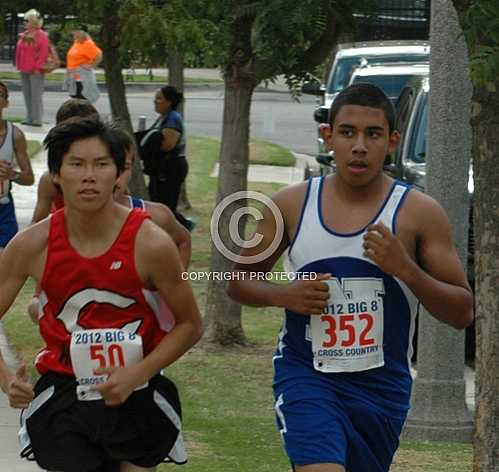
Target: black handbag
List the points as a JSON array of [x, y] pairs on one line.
[[149, 149]]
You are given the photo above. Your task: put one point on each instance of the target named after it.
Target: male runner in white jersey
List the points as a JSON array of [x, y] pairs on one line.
[[13, 153], [342, 381], [105, 271]]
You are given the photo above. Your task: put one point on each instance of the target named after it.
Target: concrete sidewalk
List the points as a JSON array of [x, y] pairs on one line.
[[9, 424]]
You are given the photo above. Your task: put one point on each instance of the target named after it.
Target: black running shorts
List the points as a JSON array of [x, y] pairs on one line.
[[61, 432]]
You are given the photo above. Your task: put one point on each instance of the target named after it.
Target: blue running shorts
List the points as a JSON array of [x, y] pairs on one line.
[[8, 222], [319, 426]]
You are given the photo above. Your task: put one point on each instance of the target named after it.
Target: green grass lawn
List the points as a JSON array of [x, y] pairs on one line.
[[160, 79], [265, 153], [226, 393]]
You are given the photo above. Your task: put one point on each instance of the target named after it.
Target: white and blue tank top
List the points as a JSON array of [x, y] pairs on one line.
[[363, 341]]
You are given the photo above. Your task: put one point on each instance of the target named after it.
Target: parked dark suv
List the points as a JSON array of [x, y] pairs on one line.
[[409, 162]]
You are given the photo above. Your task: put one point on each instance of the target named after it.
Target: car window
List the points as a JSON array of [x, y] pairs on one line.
[[417, 152], [340, 75], [403, 108]]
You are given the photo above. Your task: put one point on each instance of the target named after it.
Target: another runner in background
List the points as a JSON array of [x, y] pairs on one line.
[[160, 213], [15, 166]]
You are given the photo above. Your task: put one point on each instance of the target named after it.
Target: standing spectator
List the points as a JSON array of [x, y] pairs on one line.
[[165, 186], [31, 54], [83, 56]]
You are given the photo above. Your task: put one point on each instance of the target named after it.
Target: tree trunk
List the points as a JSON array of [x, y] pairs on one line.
[[485, 123], [111, 31], [176, 75], [223, 315], [176, 78]]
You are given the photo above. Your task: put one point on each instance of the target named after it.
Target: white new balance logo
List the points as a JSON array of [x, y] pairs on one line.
[[115, 265]]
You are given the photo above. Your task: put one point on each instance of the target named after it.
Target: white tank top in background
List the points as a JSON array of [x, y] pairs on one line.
[[7, 153]]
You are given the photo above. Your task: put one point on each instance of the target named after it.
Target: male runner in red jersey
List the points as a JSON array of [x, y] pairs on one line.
[[49, 195], [105, 271]]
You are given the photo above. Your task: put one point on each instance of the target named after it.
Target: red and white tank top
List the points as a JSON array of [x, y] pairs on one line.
[[106, 291]]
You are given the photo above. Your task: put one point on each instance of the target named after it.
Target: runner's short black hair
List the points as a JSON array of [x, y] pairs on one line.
[[75, 107], [126, 138], [365, 95], [60, 138]]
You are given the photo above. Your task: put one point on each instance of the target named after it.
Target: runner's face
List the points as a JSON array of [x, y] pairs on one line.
[[360, 139], [88, 175], [125, 176]]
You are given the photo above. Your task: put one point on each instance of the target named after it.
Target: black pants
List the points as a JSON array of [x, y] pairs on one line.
[[79, 89], [165, 188]]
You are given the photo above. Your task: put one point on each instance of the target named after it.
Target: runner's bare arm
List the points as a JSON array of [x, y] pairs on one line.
[[13, 274], [437, 279], [158, 264], [302, 296], [26, 172], [46, 194], [164, 218]]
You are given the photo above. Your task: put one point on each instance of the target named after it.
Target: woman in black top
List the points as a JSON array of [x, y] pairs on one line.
[[164, 187]]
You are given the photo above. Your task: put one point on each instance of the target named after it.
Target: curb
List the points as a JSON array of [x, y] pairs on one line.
[[14, 85], [56, 86]]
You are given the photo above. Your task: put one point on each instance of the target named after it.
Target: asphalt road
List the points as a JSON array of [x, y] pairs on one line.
[[274, 115]]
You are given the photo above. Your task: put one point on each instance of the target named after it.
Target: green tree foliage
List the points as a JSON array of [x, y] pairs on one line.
[[45, 7], [286, 38], [152, 31], [480, 21]]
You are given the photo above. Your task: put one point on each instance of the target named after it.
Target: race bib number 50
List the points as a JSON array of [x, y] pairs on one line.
[[100, 348], [348, 336]]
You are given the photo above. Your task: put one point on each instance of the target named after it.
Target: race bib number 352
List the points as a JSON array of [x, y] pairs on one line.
[[100, 348], [348, 336]]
